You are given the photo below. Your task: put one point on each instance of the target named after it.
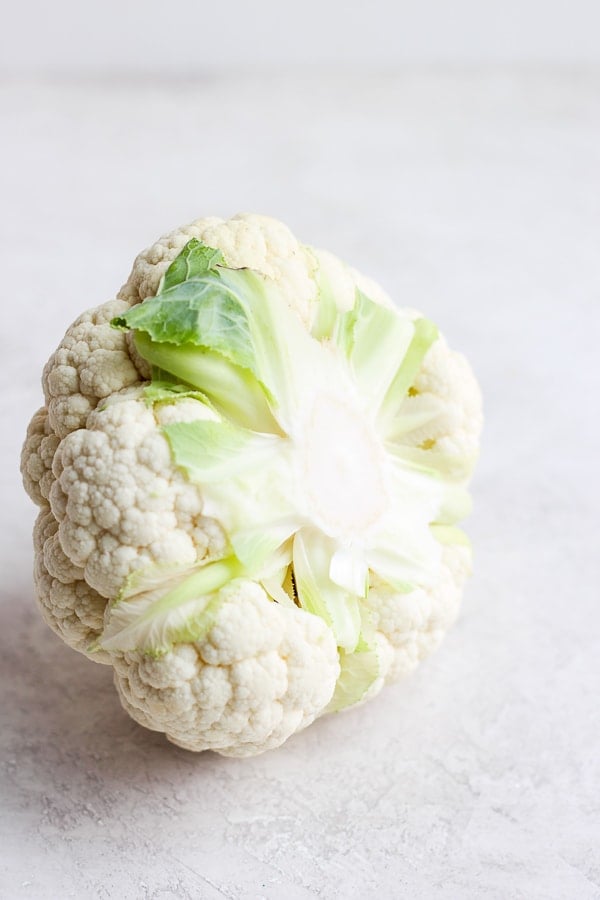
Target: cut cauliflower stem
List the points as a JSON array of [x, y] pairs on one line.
[[249, 486]]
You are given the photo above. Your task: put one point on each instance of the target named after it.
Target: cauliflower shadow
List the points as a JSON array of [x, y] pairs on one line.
[[71, 753], [63, 733]]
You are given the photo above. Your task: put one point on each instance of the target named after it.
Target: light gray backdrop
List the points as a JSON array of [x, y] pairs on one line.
[[191, 36]]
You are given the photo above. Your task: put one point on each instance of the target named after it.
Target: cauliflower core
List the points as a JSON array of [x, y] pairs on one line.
[[123, 517]]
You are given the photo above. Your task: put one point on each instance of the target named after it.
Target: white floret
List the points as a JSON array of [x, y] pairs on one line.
[[263, 673], [120, 503], [72, 609], [246, 240], [91, 363], [446, 380], [37, 456], [415, 623]]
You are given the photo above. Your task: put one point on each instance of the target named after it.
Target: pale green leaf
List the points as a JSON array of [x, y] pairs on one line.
[[154, 612], [450, 535], [375, 340], [358, 672], [213, 451], [349, 570], [318, 594], [425, 334], [195, 260], [233, 391]]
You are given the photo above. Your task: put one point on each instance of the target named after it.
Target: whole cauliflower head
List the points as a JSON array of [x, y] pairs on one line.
[[250, 467]]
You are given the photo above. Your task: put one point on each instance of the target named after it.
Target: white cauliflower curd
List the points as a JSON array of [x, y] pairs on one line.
[[250, 467]]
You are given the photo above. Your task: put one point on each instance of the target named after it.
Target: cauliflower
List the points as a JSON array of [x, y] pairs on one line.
[[250, 467]]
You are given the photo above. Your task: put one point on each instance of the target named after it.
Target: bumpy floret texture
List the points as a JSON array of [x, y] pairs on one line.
[[413, 624], [263, 673], [112, 502], [445, 379], [70, 606], [37, 457], [91, 363], [120, 503], [245, 240]]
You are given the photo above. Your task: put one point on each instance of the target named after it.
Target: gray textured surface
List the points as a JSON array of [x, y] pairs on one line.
[[475, 197]]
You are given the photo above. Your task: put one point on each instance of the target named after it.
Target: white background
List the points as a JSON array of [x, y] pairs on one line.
[[151, 36], [469, 191]]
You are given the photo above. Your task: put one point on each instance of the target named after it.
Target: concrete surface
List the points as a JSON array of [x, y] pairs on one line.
[[473, 195]]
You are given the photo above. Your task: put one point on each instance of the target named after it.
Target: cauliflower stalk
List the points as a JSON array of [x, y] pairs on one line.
[[255, 477]]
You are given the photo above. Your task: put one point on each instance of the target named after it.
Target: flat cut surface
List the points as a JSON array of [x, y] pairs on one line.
[[473, 196]]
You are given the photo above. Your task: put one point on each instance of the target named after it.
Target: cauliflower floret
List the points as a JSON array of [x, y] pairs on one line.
[[120, 503], [415, 623], [446, 385], [37, 456], [92, 362], [72, 609], [245, 240], [262, 673]]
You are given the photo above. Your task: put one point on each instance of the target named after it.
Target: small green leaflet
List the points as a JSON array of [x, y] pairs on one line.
[[166, 605], [233, 391], [239, 473], [159, 391], [211, 451], [425, 334], [194, 261], [384, 349], [358, 672], [318, 594], [327, 310], [199, 302], [205, 312], [451, 535]]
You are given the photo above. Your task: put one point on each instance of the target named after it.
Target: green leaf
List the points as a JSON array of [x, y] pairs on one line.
[[358, 672], [360, 669], [344, 329], [275, 586], [397, 566], [450, 535], [454, 500], [239, 473], [195, 260], [318, 594], [233, 391], [200, 302], [425, 333], [349, 570], [327, 308], [375, 340], [204, 311], [433, 462], [159, 391], [153, 611], [165, 378], [415, 413], [257, 545], [456, 504], [213, 451]]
